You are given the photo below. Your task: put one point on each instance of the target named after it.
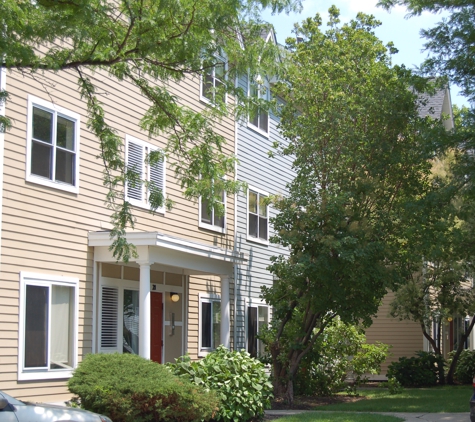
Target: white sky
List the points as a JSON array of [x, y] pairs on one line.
[[395, 27]]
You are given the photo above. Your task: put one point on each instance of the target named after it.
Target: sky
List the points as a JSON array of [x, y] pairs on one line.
[[396, 27]]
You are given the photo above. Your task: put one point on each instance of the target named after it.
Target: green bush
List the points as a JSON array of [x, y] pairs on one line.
[[465, 370], [128, 388], [239, 380], [422, 370], [340, 353]]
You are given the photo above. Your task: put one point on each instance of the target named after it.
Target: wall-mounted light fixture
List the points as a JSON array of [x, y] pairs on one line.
[[450, 319], [175, 297]]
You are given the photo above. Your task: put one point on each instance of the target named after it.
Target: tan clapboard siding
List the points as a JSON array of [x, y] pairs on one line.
[[44, 230], [405, 337]]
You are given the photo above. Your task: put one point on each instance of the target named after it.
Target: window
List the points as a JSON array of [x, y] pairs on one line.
[[260, 118], [138, 192], [52, 146], [257, 319], [212, 81], [119, 331], [48, 326], [212, 221], [210, 323], [257, 216]]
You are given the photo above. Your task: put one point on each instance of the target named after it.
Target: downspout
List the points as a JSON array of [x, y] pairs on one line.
[[3, 84], [235, 227]]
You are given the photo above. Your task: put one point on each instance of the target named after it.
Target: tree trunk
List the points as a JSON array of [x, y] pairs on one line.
[[437, 351]]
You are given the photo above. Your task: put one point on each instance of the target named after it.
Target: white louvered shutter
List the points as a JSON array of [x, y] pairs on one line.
[[157, 174], [109, 318], [135, 161]]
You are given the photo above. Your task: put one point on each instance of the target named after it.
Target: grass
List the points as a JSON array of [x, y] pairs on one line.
[[450, 399], [338, 417]]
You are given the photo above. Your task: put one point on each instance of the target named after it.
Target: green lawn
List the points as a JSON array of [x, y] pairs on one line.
[[338, 417], [428, 400]]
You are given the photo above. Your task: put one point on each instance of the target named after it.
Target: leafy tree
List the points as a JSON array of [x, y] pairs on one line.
[[151, 44], [451, 41], [361, 157]]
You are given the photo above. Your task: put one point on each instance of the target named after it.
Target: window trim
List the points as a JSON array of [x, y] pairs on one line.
[[55, 109], [254, 303], [219, 58], [248, 237], [213, 227], [206, 298], [145, 145], [266, 85], [28, 278]]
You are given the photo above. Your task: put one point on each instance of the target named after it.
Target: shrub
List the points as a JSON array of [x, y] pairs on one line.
[[393, 386], [422, 370], [465, 370], [240, 381], [129, 388], [340, 352]]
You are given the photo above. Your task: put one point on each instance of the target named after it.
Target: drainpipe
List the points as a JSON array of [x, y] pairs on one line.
[[3, 84]]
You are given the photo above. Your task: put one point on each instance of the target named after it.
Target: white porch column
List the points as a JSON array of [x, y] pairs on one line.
[[225, 312], [144, 314]]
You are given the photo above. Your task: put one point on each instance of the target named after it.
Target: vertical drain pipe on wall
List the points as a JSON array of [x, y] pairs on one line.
[[3, 84], [235, 228]]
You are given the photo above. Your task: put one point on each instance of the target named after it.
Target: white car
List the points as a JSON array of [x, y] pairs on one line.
[[13, 410]]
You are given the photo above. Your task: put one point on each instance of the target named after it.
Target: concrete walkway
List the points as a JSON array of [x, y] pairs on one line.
[[409, 417]]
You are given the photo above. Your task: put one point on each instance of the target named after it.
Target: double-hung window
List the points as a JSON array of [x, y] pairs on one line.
[[212, 82], [52, 146], [258, 220], [209, 219], [138, 188], [257, 319], [210, 323], [48, 326], [259, 118]]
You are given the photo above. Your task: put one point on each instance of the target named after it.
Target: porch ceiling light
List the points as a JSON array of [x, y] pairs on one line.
[[175, 297]]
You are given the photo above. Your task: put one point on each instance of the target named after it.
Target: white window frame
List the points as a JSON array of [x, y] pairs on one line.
[[221, 59], [120, 285], [213, 227], [255, 303], [206, 298], [260, 87], [55, 110], [249, 237], [145, 176], [28, 374]]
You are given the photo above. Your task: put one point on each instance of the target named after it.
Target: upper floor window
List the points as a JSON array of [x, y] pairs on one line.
[[257, 216], [213, 80], [48, 326], [209, 219], [52, 145], [259, 119], [137, 192]]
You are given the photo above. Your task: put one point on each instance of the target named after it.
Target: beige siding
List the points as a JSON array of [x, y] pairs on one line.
[[405, 337], [45, 230]]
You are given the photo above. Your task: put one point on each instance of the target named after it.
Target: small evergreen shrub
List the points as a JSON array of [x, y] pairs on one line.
[[465, 370], [340, 353], [128, 388], [239, 380], [422, 370], [393, 386]]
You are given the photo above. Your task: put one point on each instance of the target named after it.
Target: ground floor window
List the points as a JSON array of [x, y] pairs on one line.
[[210, 323], [48, 326], [257, 318], [119, 325]]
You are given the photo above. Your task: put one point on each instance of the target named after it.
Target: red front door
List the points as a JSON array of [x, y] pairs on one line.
[[156, 326]]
